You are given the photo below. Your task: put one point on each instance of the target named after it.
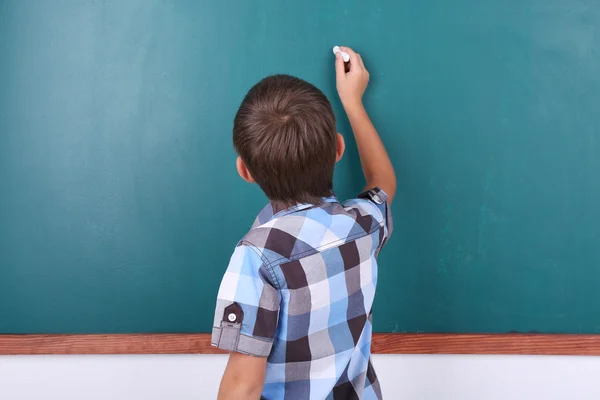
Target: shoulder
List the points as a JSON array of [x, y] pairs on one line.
[[246, 255], [275, 240], [374, 203], [246, 261], [246, 266]]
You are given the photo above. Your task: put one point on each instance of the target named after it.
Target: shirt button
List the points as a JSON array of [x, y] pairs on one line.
[[232, 317], [377, 199]]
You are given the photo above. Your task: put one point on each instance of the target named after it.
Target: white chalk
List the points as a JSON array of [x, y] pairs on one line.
[[345, 56]]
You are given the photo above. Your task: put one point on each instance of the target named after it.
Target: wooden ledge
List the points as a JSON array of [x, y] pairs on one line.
[[383, 343]]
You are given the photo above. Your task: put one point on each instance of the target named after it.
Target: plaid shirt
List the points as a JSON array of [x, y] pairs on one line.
[[299, 290]]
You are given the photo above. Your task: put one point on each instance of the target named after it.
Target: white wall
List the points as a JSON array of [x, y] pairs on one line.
[[197, 377]]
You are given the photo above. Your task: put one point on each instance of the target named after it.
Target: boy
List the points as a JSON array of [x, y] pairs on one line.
[[294, 306]]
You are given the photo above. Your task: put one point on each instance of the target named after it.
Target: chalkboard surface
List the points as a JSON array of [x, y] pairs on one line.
[[119, 200]]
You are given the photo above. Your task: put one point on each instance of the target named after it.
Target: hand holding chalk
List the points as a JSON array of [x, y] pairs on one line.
[[345, 56], [351, 79]]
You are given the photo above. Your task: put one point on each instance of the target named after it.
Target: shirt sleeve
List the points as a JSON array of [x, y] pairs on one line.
[[375, 202], [247, 306]]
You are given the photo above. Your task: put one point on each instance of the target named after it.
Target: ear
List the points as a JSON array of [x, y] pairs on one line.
[[243, 170], [341, 146]]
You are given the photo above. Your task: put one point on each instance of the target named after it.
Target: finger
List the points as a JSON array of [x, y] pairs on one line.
[[360, 60], [362, 65], [353, 56], [348, 50], [340, 72]]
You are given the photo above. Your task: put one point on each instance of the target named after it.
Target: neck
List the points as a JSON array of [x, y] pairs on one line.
[[281, 205]]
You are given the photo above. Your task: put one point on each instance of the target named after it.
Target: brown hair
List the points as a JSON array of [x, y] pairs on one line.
[[285, 133]]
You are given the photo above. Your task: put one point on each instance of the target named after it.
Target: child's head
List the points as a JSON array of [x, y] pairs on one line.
[[284, 133]]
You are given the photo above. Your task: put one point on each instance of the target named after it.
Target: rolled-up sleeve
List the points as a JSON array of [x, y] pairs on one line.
[[247, 306]]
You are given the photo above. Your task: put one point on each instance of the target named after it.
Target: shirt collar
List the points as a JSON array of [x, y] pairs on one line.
[[266, 214]]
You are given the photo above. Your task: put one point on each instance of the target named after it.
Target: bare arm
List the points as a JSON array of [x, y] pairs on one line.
[[244, 378], [375, 161]]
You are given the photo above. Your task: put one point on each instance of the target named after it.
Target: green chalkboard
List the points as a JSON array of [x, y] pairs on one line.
[[119, 200]]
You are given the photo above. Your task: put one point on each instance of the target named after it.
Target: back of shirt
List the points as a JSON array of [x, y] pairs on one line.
[[299, 290]]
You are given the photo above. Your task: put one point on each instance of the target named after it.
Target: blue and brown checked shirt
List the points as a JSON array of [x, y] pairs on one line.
[[299, 290]]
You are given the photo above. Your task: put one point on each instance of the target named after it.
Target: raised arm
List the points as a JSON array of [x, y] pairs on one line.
[[375, 161]]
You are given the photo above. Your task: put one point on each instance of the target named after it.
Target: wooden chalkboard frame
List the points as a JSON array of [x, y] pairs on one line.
[[383, 343]]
